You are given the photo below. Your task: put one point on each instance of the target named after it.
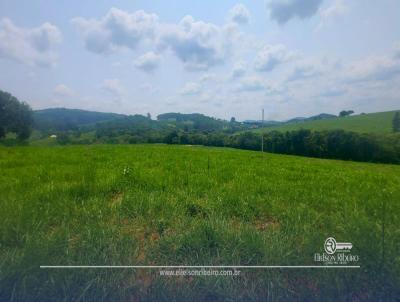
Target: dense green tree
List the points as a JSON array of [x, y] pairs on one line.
[[346, 113], [63, 138], [396, 122], [15, 116], [172, 138]]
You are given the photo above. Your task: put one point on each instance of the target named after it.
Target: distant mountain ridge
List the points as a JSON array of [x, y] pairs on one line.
[[377, 122], [268, 123], [321, 116], [63, 119], [265, 123]]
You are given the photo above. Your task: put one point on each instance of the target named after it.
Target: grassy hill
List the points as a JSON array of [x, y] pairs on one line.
[[64, 119], [380, 122], [174, 205]]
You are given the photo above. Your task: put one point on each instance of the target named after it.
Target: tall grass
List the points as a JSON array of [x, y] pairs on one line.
[[176, 205]]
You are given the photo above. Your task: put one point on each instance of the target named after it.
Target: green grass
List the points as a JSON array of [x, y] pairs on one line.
[[380, 123], [178, 205]]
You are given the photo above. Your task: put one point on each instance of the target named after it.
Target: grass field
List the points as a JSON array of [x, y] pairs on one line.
[[380, 123], [172, 205]]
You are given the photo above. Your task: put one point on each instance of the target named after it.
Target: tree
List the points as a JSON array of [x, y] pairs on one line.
[[149, 115], [62, 138], [396, 122], [15, 116], [233, 119], [172, 138], [346, 113]]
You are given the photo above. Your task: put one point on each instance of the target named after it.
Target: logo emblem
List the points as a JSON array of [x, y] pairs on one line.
[[331, 246], [336, 253]]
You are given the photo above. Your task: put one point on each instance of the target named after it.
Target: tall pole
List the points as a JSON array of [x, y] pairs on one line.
[[262, 132]]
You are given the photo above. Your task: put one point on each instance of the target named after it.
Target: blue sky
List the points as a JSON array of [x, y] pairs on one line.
[[220, 58]]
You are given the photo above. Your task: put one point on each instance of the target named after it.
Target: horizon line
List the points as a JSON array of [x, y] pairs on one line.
[[241, 120]]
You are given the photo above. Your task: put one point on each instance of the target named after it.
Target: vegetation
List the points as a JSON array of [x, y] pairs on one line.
[[396, 122], [65, 126], [378, 123], [62, 119], [345, 113], [152, 204], [15, 116], [171, 205], [336, 144]]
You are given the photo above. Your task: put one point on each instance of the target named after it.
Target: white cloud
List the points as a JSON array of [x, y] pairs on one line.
[[313, 67], [251, 84], [374, 68], [197, 44], [32, 46], [284, 10], [337, 9], [255, 84], [113, 86], [147, 62], [332, 92], [304, 71], [117, 29], [397, 51], [239, 14], [149, 88], [239, 69], [63, 90], [190, 89], [208, 77], [271, 56]]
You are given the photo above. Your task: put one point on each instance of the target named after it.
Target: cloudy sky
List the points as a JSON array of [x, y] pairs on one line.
[[221, 58]]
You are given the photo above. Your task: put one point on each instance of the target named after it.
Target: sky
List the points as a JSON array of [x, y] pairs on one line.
[[220, 58]]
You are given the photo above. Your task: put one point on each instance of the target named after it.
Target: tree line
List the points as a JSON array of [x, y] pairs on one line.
[[15, 116], [333, 144]]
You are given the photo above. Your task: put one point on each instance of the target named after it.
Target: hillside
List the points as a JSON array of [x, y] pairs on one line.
[[380, 122], [185, 205], [60, 119], [63, 119]]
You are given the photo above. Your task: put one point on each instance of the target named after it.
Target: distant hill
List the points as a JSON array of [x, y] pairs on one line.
[[270, 123], [61, 119], [198, 121], [259, 123], [295, 120], [321, 116], [380, 122]]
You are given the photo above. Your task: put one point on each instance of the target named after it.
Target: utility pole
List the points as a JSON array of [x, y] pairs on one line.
[[262, 132]]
